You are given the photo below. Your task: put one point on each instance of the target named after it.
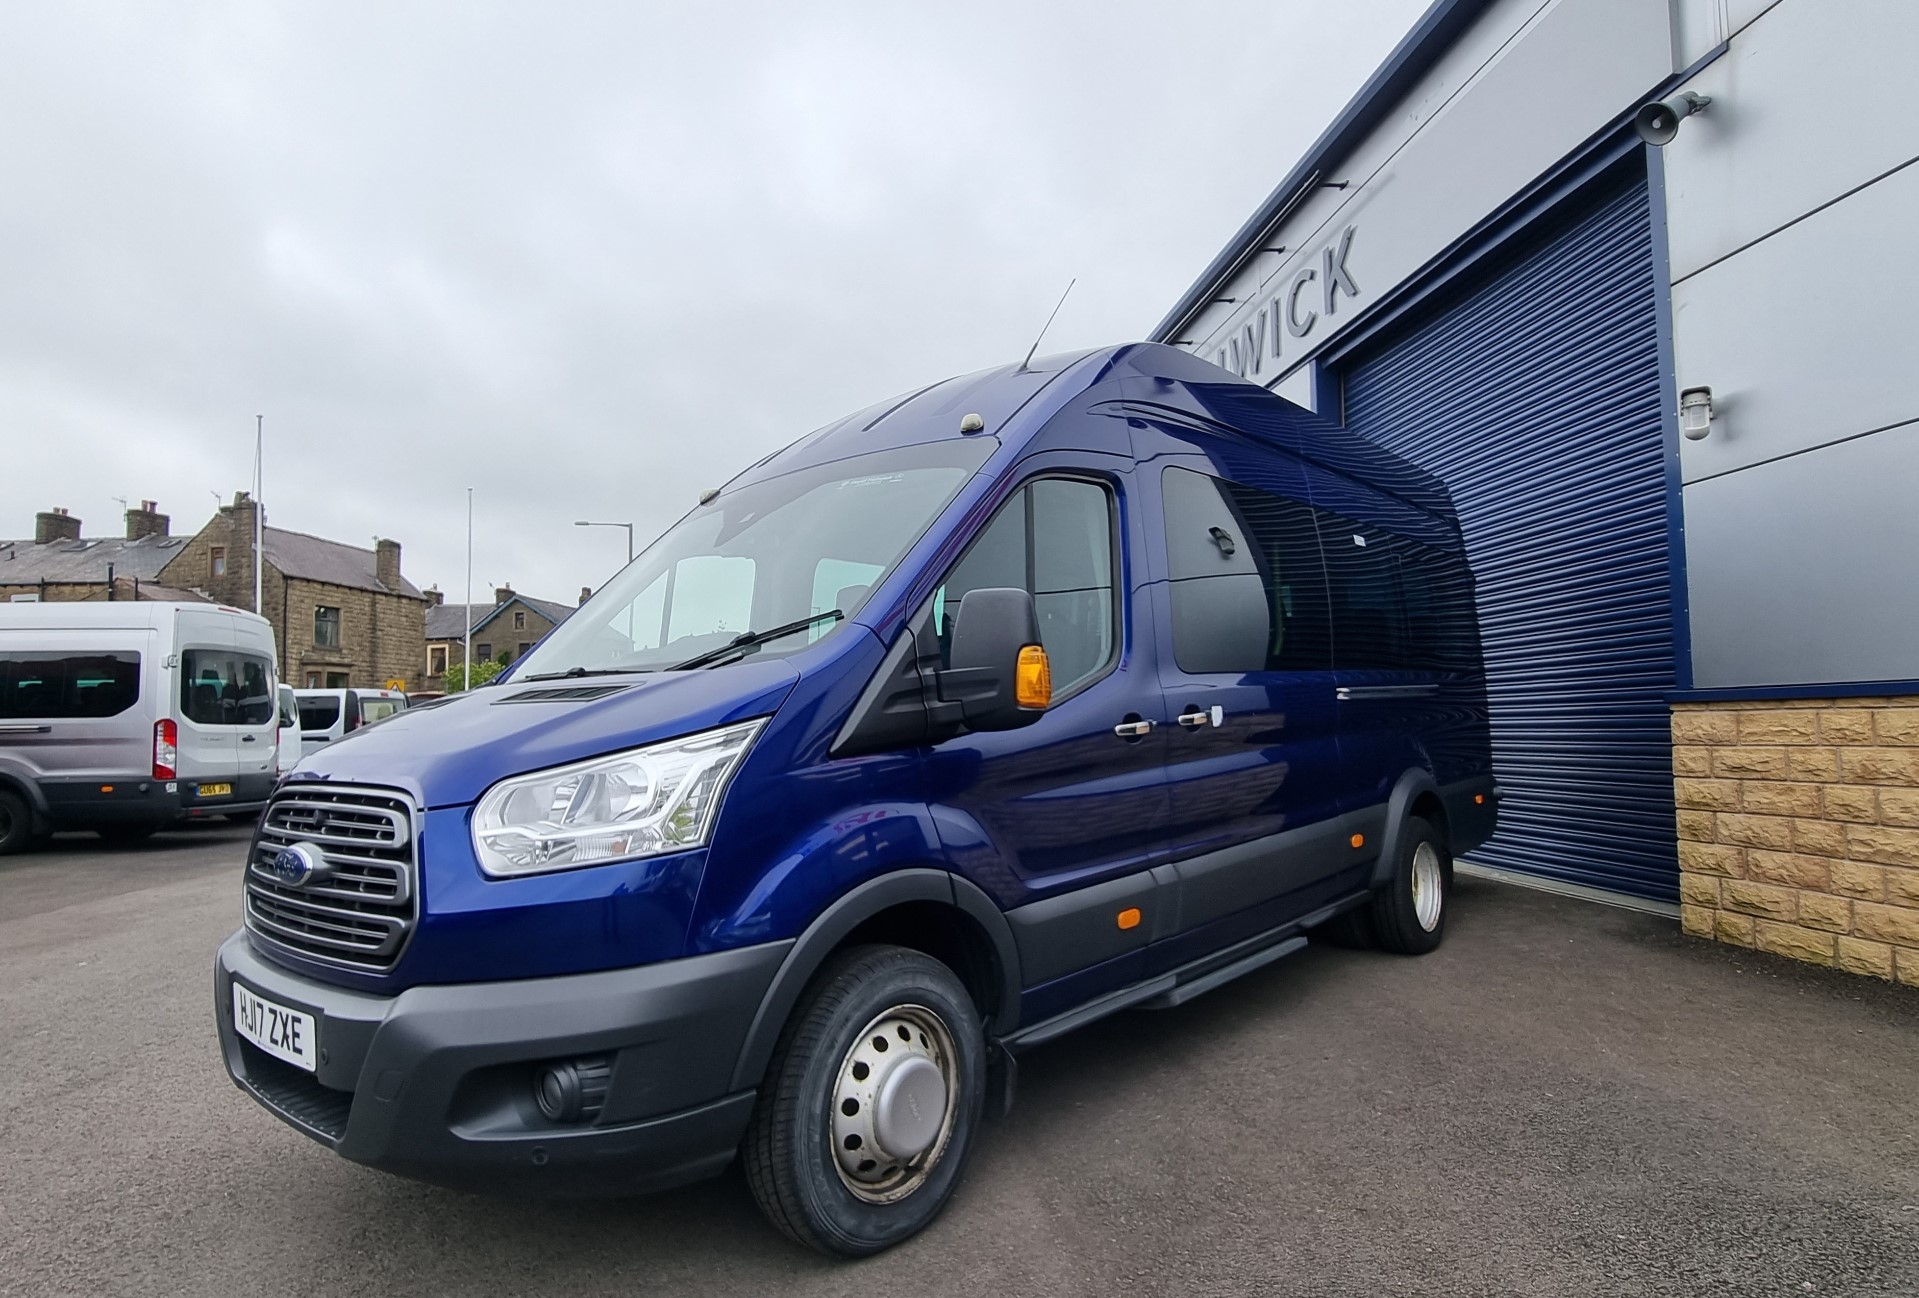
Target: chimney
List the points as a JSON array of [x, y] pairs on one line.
[[501, 594], [586, 593], [434, 596], [147, 521], [55, 525], [386, 563]]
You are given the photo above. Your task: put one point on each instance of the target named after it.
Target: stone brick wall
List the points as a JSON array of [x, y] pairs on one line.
[[1799, 829]]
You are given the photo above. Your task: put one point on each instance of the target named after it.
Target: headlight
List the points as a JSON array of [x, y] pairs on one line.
[[644, 802]]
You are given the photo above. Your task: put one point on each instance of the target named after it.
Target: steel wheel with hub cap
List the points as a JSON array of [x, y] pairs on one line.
[[1408, 914], [869, 1108]]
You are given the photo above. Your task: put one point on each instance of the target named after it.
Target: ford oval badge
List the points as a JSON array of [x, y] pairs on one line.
[[298, 865]]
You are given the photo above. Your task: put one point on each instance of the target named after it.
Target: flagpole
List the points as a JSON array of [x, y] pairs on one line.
[[467, 683], [259, 524]]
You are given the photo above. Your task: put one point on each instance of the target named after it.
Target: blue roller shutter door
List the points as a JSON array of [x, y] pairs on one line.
[[1536, 399]]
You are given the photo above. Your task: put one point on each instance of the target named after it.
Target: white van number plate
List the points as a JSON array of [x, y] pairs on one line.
[[281, 1032]]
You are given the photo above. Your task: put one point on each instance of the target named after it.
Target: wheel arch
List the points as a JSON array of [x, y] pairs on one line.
[[924, 908], [1415, 794]]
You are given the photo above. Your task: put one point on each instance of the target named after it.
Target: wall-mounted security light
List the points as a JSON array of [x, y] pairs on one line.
[[1658, 121], [1695, 413]]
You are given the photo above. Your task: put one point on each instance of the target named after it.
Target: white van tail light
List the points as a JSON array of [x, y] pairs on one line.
[[166, 748]]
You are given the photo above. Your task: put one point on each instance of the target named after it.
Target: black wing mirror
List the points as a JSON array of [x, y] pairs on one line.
[[999, 677]]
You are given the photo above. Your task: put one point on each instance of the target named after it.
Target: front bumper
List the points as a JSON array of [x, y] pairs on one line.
[[436, 1083]]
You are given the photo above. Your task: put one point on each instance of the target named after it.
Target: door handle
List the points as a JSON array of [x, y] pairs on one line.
[[1133, 729], [247, 739], [1193, 718]]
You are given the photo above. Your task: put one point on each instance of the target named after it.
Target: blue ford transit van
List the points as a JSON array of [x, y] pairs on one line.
[[1037, 695]]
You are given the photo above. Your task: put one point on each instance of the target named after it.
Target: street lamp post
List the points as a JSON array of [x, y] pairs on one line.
[[629, 534]]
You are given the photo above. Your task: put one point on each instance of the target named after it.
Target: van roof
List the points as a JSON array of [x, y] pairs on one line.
[[1164, 381], [92, 614]]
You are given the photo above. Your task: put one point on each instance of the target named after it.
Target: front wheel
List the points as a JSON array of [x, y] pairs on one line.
[[869, 1108], [1408, 915], [16, 823]]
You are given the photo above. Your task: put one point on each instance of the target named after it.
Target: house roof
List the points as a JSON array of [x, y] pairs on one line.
[[23, 562], [314, 558], [1435, 33], [448, 621]]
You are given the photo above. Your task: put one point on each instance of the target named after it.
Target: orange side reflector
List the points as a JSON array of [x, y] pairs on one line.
[[1129, 918], [1033, 682], [1479, 799], [1359, 840], [106, 788]]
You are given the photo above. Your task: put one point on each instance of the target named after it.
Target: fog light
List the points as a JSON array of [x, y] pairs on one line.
[[572, 1090]]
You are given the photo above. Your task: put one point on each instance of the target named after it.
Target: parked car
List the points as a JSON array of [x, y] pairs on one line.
[[125, 717], [1045, 693], [330, 715]]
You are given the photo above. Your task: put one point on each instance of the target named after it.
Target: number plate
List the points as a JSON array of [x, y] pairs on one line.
[[215, 790], [281, 1032]]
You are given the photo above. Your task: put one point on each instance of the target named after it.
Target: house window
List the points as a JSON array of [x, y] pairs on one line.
[[326, 627], [336, 680], [436, 660], [519, 619], [524, 646], [482, 652], [313, 680], [217, 560]]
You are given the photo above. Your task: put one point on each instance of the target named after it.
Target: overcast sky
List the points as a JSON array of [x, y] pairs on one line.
[[588, 259]]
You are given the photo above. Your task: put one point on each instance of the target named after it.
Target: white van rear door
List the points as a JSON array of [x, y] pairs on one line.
[[225, 700]]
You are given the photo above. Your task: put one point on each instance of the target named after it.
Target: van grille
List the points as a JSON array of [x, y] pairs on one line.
[[359, 911]]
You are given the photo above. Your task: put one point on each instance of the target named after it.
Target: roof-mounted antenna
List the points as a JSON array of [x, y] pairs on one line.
[[1049, 322]]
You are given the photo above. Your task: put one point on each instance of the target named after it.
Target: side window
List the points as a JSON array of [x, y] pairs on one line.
[[1248, 590], [1053, 538], [1398, 604], [56, 686]]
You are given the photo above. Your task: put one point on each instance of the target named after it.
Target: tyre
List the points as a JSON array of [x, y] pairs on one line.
[[127, 835], [870, 1104], [1408, 914], [16, 823]]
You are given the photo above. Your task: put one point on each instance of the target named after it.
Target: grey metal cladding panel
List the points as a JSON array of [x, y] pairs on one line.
[[1806, 570], [1809, 336], [1536, 399], [1813, 100], [1572, 67]]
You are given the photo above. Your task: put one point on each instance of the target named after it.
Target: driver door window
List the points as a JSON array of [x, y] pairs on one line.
[[1053, 538]]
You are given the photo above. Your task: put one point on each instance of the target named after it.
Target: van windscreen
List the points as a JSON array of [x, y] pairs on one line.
[[223, 687], [53, 686], [764, 554]]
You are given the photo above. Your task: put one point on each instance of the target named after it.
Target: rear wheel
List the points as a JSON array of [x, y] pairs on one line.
[[16, 823], [1408, 914], [869, 1108]]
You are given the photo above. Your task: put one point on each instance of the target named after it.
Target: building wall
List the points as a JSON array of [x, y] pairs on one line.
[[1790, 203], [55, 591], [1799, 829], [500, 635], [382, 636]]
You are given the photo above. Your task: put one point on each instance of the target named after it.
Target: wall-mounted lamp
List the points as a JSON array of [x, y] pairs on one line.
[[1658, 121], [1695, 413]]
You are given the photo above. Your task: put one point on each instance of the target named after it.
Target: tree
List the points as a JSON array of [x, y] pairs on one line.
[[483, 672]]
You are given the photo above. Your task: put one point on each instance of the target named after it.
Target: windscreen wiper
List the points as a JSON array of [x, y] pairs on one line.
[[750, 640], [572, 672]]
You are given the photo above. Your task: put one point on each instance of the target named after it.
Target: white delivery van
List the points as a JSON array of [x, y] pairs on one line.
[[330, 715], [125, 717]]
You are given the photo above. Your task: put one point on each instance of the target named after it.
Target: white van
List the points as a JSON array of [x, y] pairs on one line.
[[125, 717], [328, 715], [288, 736]]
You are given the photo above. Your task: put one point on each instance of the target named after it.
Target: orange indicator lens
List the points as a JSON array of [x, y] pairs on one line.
[[1129, 918], [1033, 681]]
